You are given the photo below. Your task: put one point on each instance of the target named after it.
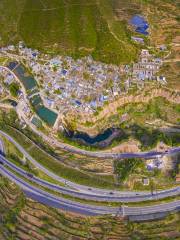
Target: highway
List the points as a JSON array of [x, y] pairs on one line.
[[97, 154], [124, 197], [1, 147], [86, 189], [86, 209]]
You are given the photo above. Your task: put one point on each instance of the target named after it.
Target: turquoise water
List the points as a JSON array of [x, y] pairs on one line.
[[46, 115]]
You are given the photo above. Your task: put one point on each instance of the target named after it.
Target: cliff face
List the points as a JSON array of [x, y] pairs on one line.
[[144, 98], [112, 108]]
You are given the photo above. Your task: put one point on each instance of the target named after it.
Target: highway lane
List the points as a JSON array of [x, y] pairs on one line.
[[86, 209], [1, 147], [144, 196], [85, 189]]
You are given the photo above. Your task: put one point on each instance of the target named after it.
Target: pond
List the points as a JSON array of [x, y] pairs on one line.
[[27, 80], [140, 24], [101, 140], [46, 115], [30, 83]]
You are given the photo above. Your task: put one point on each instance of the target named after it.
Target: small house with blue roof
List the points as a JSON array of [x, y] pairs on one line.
[[140, 24]]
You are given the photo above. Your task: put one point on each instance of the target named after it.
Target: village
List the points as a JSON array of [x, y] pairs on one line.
[[82, 85]]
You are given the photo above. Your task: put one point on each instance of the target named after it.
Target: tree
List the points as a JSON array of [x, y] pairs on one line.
[[14, 88]]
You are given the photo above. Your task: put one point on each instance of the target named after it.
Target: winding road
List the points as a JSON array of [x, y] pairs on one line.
[[86, 209], [122, 197], [81, 191]]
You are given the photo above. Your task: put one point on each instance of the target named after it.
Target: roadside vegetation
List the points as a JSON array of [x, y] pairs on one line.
[[14, 89], [57, 161], [95, 202], [133, 174], [163, 229]]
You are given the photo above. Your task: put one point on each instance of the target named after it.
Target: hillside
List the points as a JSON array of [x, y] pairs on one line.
[[78, 27], [73, 27], [24, 219]]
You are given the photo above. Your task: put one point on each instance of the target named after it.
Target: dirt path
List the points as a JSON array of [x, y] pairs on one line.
[[172, 60]]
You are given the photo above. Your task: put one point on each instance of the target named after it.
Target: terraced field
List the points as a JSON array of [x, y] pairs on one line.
[[24, 219], [163, 229]]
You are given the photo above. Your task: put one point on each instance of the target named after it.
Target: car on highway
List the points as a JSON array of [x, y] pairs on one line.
[[30, 175]]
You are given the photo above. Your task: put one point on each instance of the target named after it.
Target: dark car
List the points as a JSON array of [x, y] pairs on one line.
[[30, 175]]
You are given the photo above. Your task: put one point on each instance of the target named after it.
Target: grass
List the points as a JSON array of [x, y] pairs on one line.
[[10, 149], [2, 60], [75, 28], [138, 117], [163, 229], [127, 167], [157, 108], [14, 155]]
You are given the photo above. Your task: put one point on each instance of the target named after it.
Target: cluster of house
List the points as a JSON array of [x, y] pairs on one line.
[[83, 84], [7, 78], [147, 68], [156, 163], [65, 83]]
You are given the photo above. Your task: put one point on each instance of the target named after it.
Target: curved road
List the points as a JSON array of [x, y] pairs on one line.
[[81, 188], [137, 197], [86, 209], [93, 194]]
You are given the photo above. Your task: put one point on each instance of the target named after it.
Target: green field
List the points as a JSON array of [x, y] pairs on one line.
[[78, 27], [73, 27]]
